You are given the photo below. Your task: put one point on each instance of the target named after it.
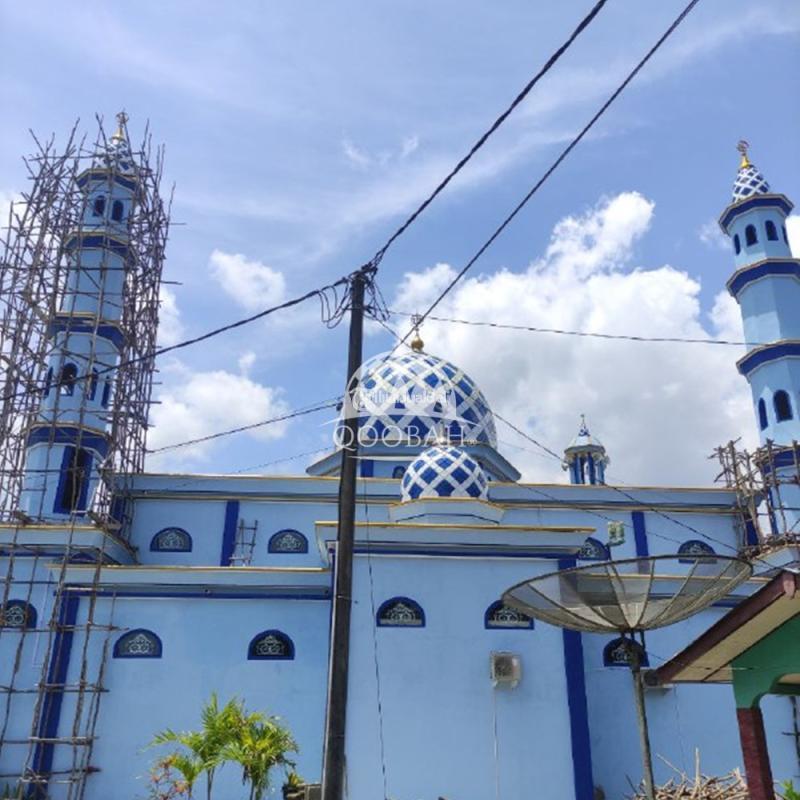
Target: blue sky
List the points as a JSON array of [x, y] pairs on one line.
[[298, 134]]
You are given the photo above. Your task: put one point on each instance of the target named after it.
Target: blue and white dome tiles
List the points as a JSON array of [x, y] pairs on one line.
[[415, 394], [444, 471], [749, 181]]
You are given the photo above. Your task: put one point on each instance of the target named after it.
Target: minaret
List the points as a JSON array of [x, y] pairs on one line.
[[586, 458], [70, 434], [766, 285]]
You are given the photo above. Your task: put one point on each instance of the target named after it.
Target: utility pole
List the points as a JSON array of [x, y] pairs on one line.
[[333, 765]]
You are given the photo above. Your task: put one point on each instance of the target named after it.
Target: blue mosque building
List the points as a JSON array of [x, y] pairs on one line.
[[128, 599]]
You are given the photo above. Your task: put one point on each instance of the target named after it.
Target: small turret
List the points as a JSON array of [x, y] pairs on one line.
[[586, 458]]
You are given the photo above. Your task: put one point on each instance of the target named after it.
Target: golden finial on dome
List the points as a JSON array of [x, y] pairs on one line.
[[417, 345], [743, 146], [122, 121]]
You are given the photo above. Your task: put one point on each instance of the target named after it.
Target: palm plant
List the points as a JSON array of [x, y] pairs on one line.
[[262, 743], [205, 747]]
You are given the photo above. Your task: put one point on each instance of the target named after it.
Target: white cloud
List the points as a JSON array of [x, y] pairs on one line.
[[793, 232], [355, 155], [170, 327], [196, 404], [712, 236], [253, 285], [659, 408]]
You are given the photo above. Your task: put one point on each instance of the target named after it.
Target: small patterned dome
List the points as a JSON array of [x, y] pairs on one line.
[[444, 471], [749, 181], [417, 394]]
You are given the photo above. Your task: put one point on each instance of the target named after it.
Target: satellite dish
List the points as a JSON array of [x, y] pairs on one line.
[[628, 597]]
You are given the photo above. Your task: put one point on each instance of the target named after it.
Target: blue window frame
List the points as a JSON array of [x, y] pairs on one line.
[[400, 612], [694, 550], [783, 406], [270, 646], [593, 550], [117, 210], [171, 540], [287, 541], [762, 414], [67, 378], [93, 384], [138, 643], [617, 653], [499, 615], [737, 245], [17, 614], [73, 481], [750, 235], [772, 231], [99, 206]]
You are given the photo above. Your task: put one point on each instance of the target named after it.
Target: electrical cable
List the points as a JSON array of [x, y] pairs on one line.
[[586, 334], [281, 418], [330, 308], [582, 25], [564, 153]]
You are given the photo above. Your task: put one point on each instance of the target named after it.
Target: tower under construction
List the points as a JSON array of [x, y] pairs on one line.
[[80, 271]]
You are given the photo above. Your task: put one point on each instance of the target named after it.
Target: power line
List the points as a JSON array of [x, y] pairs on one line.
[[582, 25], [586, 334], [564, 153], [332, 308], [253, 426]]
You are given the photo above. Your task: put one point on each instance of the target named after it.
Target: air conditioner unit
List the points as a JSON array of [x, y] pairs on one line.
[[505, 669]]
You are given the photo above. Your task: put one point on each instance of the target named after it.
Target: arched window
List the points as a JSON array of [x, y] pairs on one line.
[[48, 382], [106, 393], [67, 378], [74, 481], [617, 653], [172, 540], [17, 614], [695, 550], [117, 209], [288, 541], [400, 612], [762, 414], [499, 615], [772, 231], [398, 472], [138, 643], [270, 646], [737, 245], [593, 550], [783, 406], [93, 384], [750, 235], [99, 206]]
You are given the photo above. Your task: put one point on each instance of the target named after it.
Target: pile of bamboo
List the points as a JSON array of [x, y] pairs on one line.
[[700, 787]]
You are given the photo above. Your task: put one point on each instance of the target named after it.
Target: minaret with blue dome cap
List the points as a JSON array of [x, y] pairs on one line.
[[766, 285], [70, 435], [585, 458]]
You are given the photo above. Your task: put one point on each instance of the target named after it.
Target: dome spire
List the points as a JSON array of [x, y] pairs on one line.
[[743, 146], [121, 134], [417, 345]]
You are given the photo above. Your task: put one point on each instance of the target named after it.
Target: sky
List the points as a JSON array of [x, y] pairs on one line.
[[298, 135]]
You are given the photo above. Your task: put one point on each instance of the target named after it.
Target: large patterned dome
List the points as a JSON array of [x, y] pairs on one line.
[[415, 394], [444, 471], [749, 181]]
